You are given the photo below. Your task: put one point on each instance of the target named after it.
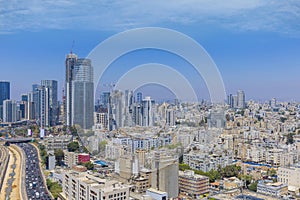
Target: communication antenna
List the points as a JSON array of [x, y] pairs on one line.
[[73, 43]]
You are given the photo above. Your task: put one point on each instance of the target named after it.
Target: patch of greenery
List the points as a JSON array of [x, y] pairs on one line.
[[54, 188], [73, 146]]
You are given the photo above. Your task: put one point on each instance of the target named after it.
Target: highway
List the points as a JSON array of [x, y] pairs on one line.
[[34, 182]]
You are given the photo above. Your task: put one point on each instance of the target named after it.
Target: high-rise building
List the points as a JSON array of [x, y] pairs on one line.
[[9, 111], [35, 100], [139, 97], [79, 92], [4, 91], [70, 62], [4, 94], [51, 86], [82, 96], [148, 111], [43, 102], [241, 99]]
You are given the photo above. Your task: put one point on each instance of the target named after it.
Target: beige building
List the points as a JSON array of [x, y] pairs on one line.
[[192, 184], [70, 158], [83, 186], [52, 143], [289, 175]]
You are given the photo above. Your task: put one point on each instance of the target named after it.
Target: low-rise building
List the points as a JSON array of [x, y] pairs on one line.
[[192, 184], [272, 189]]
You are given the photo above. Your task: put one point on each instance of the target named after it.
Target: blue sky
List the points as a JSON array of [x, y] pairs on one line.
[[255, 44]]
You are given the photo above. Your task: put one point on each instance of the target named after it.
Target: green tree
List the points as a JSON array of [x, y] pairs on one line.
[[54, 188], [59, 156], [253, 186], [73, 146], [102, 145], [183, 167], [89, 165]]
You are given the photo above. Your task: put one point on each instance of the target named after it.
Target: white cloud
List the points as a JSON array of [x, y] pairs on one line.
[[268, 15]]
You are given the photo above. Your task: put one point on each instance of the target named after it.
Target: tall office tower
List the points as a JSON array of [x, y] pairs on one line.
[[4, 94], [234, 101], [9, 111], [165, 174], [139, 97], [230, 100], [51, 86], [137, 114], [44, 108], [241, 99], [148, 111], [82, 95], [116, 109], [70, 62], [29, 106], [128, 108], [35, 100], [4, 91]]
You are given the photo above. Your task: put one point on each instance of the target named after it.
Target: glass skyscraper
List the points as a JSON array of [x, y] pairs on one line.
[[4, 91], [79, 105]]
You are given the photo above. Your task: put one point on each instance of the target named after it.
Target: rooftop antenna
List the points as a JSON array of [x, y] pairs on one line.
[[73, 43]]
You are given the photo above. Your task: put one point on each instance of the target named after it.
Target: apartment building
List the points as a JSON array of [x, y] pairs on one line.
[[84, 186], [193, 184]]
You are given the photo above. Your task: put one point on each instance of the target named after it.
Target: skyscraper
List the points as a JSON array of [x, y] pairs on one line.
[[148, 111], [51, 86], [241, 99], [43, 101], [82, 94], [139, 97], [4, 91], [9, 111], [71, 60]]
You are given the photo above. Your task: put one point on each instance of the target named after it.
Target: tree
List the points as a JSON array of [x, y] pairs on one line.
[[54, 188], [183, 167], [253, 186], [73, 146], [89, 165], [102, 145], [59, 156]]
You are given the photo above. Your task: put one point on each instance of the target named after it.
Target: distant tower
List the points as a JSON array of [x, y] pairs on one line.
[[241, 99], [4, 91], [139, 97], [273, 103], [148, 111], [51, 86], [4, 94], [9, 111]]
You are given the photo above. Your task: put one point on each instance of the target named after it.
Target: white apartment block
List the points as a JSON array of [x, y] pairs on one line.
[[206, 162], [83, 186]]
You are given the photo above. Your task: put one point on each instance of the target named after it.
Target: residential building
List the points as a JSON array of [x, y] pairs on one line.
[[85, 186], [193, 184], [289, 175], [272, 189]]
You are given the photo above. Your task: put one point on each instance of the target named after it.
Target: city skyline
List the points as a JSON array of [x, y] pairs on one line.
[[254, 44]]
